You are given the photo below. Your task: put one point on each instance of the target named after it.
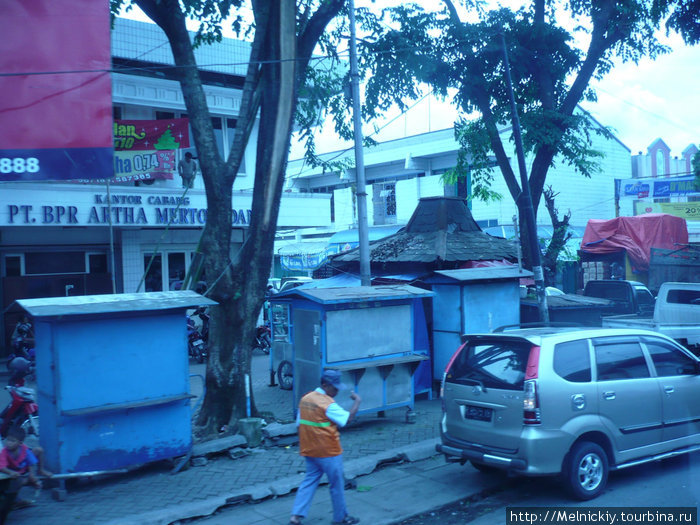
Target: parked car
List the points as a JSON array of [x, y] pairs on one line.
[[569, 401], [676, 314], [626, 297], [292, 282]]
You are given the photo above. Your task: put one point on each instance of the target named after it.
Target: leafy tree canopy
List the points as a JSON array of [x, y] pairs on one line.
[[551, 64]]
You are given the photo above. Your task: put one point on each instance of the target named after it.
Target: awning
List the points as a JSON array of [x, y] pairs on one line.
[[303, 256]]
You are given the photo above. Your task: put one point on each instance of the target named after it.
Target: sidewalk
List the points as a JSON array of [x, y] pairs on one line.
[[152, 495], [384, 497]]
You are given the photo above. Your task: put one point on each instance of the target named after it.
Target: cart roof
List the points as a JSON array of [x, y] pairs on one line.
[[349, 294], [483, 274], [106, 303]]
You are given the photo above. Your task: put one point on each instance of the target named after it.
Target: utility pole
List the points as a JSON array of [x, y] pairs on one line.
[[525, 197], [361, 190]]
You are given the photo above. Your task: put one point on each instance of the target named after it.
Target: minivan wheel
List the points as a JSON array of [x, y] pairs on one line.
[[586, 471]]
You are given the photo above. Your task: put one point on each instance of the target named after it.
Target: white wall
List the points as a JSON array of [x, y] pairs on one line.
[[409, 192], [586, 198]]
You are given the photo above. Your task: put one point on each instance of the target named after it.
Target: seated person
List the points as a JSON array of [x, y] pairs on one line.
[[19, 463]]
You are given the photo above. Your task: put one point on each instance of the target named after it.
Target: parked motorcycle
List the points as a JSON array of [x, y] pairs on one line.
[[263, 339], [203, 324], [22, 344], [22, 411], [20, 368], [196, 347]]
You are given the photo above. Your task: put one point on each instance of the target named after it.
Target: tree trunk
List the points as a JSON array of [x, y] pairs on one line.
[[238, 281], [560, 235]]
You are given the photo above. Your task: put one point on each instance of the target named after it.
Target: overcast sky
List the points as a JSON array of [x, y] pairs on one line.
[[655, 99]]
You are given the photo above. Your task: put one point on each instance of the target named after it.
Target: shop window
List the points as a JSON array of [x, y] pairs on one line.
[[280, 323], [153, 267], [47, 263], [176, 268]]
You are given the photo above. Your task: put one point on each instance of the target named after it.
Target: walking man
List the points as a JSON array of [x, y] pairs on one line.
[[319, 442]]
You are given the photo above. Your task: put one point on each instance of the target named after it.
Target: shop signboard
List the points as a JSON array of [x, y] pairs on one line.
[[674, 187]]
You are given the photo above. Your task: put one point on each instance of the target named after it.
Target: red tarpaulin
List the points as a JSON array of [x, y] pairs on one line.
[[635, 235]]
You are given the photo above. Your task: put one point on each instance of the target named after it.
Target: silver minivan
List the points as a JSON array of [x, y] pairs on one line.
[[569, 401]]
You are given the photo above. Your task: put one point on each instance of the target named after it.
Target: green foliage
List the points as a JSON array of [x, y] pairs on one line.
[[473, 160], [695, 164], [683, 17], [464, 60]]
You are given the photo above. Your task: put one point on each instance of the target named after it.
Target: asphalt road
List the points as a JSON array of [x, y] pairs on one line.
[[662, 484]]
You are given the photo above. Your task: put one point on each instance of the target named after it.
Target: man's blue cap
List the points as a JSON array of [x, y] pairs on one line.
[[332, 377]]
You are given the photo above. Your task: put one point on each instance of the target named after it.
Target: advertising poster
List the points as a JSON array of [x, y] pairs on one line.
[[144, 150], [56, 104], [687, 210]]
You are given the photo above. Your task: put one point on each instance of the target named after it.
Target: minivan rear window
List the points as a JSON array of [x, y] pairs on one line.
[[499, 364]]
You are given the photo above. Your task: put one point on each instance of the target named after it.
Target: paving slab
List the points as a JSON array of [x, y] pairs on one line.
[[264, 479]]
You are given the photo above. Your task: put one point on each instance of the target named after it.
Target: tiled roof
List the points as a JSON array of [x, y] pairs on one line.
[[441, 228]]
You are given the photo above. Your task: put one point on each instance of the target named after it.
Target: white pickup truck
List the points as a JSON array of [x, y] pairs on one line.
[[676, 314]]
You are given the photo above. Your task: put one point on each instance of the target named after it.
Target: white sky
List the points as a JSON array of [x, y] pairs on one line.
[[655, 99]]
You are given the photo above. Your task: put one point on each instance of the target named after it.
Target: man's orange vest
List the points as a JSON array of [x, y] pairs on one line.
[[318, 435]]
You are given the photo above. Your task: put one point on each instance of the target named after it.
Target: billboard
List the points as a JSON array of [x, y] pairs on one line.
[[56, 104]]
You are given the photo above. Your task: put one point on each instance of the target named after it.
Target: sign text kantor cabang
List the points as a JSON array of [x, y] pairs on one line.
[[123, 210]]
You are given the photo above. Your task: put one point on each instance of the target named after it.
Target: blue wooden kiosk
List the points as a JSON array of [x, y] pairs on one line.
[[368, 333], [112, 378], [468, 301]]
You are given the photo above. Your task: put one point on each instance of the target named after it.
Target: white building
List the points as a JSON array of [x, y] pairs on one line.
[[662, 183], [401, 171], [56, 238]]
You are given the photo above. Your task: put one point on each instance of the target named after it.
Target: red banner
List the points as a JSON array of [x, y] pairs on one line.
[[151, 134]]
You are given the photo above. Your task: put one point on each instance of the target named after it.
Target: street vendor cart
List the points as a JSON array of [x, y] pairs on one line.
[[113, 378], [368, 333]]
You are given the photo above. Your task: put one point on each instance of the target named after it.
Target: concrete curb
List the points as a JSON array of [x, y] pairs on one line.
[[281, 487]]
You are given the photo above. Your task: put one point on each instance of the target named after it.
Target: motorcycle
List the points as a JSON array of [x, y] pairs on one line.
[[22, 411], [19, 368], [22, 344], [196, 347], [263, 338]]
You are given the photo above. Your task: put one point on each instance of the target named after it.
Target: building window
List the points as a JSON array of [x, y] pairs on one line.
[[97, 263], [48, 263], [219, 135], [384, 202], [13, 266], [230, 134], [153, 268]]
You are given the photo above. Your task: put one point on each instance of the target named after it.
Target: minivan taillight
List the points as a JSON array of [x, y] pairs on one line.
[[444, 376], [531, 403]]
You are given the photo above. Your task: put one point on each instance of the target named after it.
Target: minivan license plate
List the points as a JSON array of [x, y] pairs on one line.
[[477, 413]]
